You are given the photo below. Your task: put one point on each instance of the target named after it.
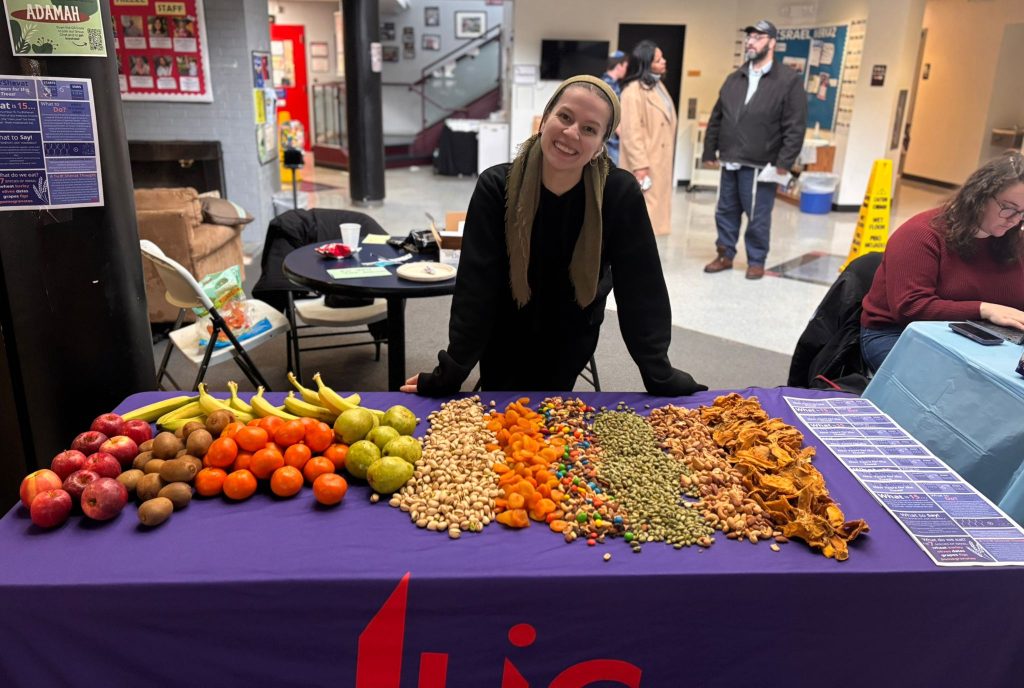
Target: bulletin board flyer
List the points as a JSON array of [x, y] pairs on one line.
[[49, 152], [56, 27], [161, 50]]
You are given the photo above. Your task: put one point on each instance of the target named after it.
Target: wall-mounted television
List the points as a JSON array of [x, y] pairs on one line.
[[560, 60]]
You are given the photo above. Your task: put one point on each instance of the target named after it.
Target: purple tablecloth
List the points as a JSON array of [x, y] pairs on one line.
[[277, 592]]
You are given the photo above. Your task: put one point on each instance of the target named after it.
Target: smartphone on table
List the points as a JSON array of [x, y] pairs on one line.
[[976, 333]]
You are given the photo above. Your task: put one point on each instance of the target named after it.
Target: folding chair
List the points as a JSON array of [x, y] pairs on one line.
[[313, 316], [315, 313], [185, 292]]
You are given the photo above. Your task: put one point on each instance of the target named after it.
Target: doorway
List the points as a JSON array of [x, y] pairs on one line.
[[921, 72], [670, 38], [288, 51]]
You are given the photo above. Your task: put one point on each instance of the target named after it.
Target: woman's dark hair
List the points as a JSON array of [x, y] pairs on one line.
[[640, 65], [963, 213]]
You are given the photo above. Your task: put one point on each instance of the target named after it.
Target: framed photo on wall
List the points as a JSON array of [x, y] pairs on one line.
[[470, 24], [431, 41], [432, 16], [389, 53]]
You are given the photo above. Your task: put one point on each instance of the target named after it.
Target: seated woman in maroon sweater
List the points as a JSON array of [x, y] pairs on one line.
[[963, 261]]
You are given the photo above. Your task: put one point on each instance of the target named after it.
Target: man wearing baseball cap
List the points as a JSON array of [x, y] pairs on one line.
[[618, 61], [759, 119]]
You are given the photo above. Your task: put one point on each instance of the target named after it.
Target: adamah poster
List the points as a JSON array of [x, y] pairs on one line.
[[56, 28], [161, 50]]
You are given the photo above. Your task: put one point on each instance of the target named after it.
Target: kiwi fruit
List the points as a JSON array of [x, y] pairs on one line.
[[198, 442], [155, 511], [142, 459], [153, 465], [178, 470], [149, 486], [179, 493], [218, 420], [146, 446], [130, 479], [166, 445], [198, 462], [191, 427]]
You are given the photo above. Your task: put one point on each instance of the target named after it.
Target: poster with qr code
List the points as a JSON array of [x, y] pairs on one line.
[[161, 50], [56, 28]]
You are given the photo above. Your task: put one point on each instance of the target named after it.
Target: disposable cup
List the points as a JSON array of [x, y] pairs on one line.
[[350, 234]]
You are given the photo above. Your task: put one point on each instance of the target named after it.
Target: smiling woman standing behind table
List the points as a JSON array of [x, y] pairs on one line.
[[963, 261], [546, 239]]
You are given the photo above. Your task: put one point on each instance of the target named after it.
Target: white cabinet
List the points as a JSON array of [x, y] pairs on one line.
[[492, 145]]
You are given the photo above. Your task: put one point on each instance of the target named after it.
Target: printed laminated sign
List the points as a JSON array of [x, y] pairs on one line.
[[49, 151], [161, 50], [55, 28], [816, 53]]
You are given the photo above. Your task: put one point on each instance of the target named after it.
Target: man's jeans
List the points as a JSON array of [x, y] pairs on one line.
[[736, 196]]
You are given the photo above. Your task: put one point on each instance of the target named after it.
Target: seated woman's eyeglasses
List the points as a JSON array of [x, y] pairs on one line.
[[1008, 211]]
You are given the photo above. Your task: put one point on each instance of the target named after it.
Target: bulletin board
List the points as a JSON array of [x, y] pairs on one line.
[[161, 50], [817, 53]]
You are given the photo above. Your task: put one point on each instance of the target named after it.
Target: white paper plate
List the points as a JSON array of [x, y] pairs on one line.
[[422, 271]]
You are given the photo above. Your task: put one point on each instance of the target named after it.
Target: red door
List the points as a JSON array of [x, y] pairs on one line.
[[288, 48]]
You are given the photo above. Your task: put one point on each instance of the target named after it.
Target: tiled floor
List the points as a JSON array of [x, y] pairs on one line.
[[769, 314]]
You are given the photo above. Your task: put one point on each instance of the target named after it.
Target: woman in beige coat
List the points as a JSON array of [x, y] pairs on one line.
[[648, 132]]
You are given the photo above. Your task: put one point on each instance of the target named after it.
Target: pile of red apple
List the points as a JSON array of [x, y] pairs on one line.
[[86, 473]]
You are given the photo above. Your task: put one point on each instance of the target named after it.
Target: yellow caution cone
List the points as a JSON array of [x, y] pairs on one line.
[[873, 222]]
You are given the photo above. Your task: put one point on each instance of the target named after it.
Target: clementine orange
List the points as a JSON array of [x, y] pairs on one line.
[[289, 433], [297, 455], [239, 485], [252, 439], [210, 481], [286, 481], [319, 436], [329, 488], [222, 452], [265, 462], [337, 453], [316, 467]]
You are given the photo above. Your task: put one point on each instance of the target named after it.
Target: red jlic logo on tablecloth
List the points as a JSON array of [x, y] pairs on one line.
[[379, 662]]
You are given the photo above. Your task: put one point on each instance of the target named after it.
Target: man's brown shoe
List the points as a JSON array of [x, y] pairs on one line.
[[755, 272], [719, 264]]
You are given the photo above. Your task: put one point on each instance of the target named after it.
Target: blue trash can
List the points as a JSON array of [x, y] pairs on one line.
[[816, 191], [815, 203]]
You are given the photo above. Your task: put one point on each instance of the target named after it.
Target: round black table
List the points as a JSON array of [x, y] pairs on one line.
[[307, 268]]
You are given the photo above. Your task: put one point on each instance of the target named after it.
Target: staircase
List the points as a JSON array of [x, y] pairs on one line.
[[463, 83]]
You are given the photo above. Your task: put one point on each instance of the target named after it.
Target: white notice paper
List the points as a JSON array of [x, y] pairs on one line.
[[945, 515], [771, 174]]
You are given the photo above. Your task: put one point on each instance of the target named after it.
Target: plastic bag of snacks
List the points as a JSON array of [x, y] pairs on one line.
[[225, 291]]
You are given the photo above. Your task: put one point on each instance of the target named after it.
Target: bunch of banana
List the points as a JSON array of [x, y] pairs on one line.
[[191, 411], [152, 412], [262, 407], [235, 402], [308, 395], [210, 404], [303, 408], [338, 404]]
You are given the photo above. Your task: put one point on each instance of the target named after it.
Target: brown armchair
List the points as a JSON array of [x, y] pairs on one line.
[[173, 220]]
